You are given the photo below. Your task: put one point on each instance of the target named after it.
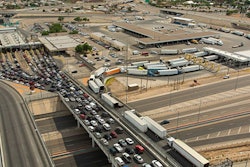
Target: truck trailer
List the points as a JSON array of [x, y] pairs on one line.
[[93, 86], [169, 52], [190, 154], [136, 121], [137, 72], [155, 127], [99, 84], [189, 50], [109, 100], [168, 72]]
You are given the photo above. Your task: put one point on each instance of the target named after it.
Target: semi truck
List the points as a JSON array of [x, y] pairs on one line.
[[109, 100], [100, 71], [155, 127], [112, 71], [190, 68], [200, 54], [240, 33], [189, 50], [99, 84], [93, 86], [137, 72], [169, 52], [168, 72], [135, 120], [187, 152]]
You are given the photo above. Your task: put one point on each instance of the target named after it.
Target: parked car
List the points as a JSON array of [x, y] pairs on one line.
[[118, 147], [127, 157], [104, 141], [119, 161], [156, 163], [138, 158], [129, 141]]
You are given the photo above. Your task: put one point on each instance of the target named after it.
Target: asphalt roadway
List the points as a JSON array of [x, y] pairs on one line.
[[190, 94], [20, 143]]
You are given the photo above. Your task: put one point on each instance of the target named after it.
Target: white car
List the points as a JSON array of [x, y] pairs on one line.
[[129, 141], [91, 128], [86, 122], [94, 123], [118, 147], [88, 107], [119, 161], [106, 126], [104, 141], [156, 163], [77, 111], [101, 121]]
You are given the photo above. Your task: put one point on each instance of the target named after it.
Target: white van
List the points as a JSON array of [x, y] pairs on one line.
[[93, 105]]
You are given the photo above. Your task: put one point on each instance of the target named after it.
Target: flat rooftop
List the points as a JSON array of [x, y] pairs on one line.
[[59, 43], [154, 37]]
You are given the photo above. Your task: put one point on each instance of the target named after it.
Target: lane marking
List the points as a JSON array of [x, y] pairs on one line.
[[229, 131], [208, 136], [239, 130], [218, 134]]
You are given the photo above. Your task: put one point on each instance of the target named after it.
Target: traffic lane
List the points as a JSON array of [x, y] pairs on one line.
[[21, 145], [218, 140], [199, 116], [189, 94], [204, 107], [211, 128]]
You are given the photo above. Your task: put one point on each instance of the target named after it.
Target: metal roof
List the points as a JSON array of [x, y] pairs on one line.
[[226, 54], [158, 38]]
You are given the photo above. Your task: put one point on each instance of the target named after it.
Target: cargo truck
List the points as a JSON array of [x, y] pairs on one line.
[[100, 71], [240, 33], [155, 127], [93, 86], [99, 84], [169, 52], [187, 152], [200, 54], [136, 121], [112, 71], [189, 50], [190, 68], [109, 100], [137, 72], [168, 72]]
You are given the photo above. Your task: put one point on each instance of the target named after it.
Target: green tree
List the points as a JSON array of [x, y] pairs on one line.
[[78, 19], [60, 18], [83, 49], [45, 33], [56, 27]]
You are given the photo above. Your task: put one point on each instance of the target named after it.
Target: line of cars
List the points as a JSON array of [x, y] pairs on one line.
[[46, 75]]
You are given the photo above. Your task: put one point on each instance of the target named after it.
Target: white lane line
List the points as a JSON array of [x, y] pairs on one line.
[[229, 131], [197, 138], [249, 129], [239, 130], [218, 134], [208, 136]]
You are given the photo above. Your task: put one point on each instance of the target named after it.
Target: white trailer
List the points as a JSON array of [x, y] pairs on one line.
[[151, 64], [240, 33], [110, 100], [200, 54], [189, 50], [217, 41], [175, 60], [168, 72], [155, 127], [207, 41], [227, 30], [211, 57], [139, 63], [93, 86], [136, 121], [158, 67], [169, 52], [189, 153], [179, 63], [135, 52], [190, 68], [100, 71], [99, 83], [137, 72]]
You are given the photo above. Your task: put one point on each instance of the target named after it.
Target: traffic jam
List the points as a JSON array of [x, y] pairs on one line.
[[37, 69]]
